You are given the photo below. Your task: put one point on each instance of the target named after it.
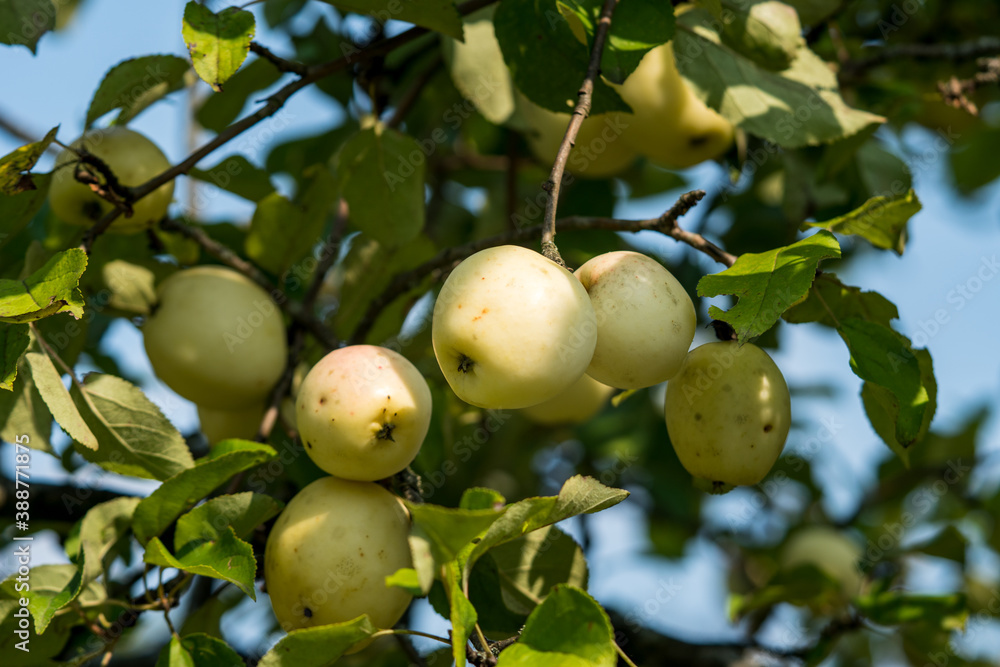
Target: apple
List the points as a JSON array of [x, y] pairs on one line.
[[219, 425], [512, 329], [728, 413], [645, 319], [330, 551], [362, 412], [829, 550], [600, 149], [216, 338], [132, 158], [577, 405], [669, 124]]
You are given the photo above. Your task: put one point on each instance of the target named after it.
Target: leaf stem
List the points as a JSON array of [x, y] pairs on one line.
[[580, 113], [621, 653]]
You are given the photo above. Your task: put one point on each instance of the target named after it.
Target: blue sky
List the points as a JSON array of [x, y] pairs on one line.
[[953, 243]]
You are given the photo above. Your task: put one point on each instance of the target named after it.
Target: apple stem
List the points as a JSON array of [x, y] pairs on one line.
[[582, 110]]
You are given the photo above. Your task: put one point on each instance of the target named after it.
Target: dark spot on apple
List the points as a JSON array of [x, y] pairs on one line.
[[308, 445], [322, 400], [697, 416], [768, 428], [385, 433], [465, 364], [700, 140], [308, 612]]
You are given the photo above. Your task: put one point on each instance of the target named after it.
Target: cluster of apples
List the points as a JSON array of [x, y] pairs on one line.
[[669, 124], [512, 329], [218, 339]]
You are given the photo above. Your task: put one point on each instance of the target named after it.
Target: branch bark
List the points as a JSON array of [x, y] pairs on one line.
[[580, 113], [984, 46], [447, 258], [271, 106]]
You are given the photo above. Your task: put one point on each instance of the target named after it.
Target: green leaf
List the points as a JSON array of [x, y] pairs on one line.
[[438, 15], [198, 650], [363, 275], [478, 70], [242, 512], [771, 105], [318, 647], [637, 27], [134, 84], [531, 32], [767, 283], [227, 557], [884, 357], [235, 174], [803, 585], [54, 288], [463, 615], [569, 629], [480, 498], [829, 295], [765, 31], [881, 221], [14, 341], [529, 567], [50, 387], [18, 210], [578, 495], [381, 176], [135, 438], [449, 531], [884, 412], [101, 530], [179, 493], [52, 588], [131, 288], [23, 22], [23, 413], [222, 108], [218, 43], [14, 167], [948, 612], [948, 543], [281, 231]]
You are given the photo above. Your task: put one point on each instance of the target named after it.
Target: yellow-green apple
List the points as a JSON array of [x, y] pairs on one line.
[[828, 549], [362, 412], [132, 158], [669, 124], [728, 413], [330, 551], [512, 329], [218, 425], [578, 404], [645, 319], [216, 338], [599, 151]]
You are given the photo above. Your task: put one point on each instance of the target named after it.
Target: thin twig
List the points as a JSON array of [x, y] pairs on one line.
[[444, 260], [225, 255], [282, 386], [983, 46], [580, 113], [412, 94], [281, 64], [272, 105]]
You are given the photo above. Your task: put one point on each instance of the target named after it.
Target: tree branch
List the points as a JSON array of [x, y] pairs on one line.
[[281, 64], [225, 255], [444, 260], [412, 93], [580, 113], [271, 106], [983, 46]]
